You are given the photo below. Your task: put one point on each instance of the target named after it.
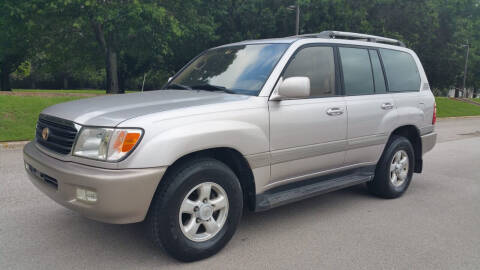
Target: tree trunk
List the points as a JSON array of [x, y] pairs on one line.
[[121, 81], [65, 82], [32, 78], [5, 79], [111, 64], [112, 72]]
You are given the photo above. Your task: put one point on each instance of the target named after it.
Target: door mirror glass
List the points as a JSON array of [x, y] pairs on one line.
[[294, 87]]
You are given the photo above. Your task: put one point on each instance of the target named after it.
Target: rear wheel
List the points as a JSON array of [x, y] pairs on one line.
[[394, 170], [196, 209]]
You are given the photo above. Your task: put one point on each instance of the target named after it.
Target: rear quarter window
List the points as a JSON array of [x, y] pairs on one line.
[[401, 70]]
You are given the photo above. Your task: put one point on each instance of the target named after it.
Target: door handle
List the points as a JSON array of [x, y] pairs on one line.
[[334, 111], [387, 106]]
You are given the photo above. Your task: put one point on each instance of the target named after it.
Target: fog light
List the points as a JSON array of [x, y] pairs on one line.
[[86, 195]]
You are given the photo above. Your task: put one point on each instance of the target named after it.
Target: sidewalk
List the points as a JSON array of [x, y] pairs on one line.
[[13, 145]]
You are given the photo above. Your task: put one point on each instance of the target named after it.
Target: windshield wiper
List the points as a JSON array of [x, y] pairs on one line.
[[210, 87], [178, 86]]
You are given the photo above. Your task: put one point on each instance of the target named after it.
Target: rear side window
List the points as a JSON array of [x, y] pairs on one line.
[[316, 63], [357, 71], [378, 77], [402, 72]]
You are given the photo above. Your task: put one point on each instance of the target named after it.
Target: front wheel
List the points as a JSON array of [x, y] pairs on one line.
[[196, 209], [394, 170]]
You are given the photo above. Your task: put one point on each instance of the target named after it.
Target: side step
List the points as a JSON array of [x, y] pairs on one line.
[[309, 188]]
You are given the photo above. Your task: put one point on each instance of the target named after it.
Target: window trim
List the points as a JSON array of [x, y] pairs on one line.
[[340, 71], [387, 89], [373, 75], [338, 89], [385, 82]]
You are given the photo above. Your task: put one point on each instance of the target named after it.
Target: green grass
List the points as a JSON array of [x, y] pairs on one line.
[[19, 114], [450, 108], [84, 91]]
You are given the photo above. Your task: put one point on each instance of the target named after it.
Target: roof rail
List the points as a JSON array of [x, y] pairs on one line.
[[357, 36]]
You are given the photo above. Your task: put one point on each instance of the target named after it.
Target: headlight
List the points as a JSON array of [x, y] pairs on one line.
[[110, 144]]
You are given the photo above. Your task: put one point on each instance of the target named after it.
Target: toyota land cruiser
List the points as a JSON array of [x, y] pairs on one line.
[[254, 124]]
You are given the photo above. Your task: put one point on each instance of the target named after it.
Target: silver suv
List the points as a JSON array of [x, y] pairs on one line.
[[255, 124]]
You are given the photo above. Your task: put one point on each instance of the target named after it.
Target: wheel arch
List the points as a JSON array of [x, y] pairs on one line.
[[411, 133], [234, 160]]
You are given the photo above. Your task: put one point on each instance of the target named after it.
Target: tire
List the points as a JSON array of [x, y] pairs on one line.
[[388, 184], [166, 225]]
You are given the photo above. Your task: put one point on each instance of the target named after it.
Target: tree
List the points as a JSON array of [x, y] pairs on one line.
[[134, 36], [17, 33], [125, 39]]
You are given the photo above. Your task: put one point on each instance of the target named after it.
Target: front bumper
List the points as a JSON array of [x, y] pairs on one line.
[[428, 142], [123, 196]]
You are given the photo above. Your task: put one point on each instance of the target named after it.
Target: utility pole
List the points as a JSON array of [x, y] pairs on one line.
[[465, 72], [143, 83], [297, 19], [297, 22]]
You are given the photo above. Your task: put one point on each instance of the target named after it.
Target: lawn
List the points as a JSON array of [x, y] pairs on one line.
[[19, 114], [449, 108]]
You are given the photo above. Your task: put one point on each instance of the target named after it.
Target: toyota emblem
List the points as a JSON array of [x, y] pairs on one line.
[[45, 133]]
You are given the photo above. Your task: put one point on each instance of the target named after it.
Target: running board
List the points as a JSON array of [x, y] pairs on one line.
[[309, 188]]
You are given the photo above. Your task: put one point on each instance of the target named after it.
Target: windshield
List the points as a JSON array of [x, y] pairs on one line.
[[234, 69]]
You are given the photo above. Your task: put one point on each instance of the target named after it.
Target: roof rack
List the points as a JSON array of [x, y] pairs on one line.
[[354, 36]]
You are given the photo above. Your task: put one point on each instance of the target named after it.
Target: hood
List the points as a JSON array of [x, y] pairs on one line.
[[111, 110]]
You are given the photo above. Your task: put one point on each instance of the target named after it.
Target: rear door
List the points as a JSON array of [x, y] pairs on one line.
[[371, 109]]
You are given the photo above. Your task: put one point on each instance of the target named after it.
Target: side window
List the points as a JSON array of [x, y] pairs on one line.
[[357, 71], [378, 78], [316, 63], [401, 70]]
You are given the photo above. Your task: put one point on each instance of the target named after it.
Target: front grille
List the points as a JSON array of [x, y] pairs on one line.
[[61, 134]]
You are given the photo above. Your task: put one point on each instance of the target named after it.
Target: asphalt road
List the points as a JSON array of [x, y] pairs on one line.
[[435, 225]]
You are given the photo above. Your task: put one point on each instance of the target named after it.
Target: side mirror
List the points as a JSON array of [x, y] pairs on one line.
[[170, 78], [293, 87]]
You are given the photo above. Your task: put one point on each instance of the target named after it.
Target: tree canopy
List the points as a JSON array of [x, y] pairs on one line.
[[113, 44]]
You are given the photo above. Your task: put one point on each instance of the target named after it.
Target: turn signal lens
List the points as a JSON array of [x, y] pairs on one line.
[[434, 118], [130, 141], [123, 141]]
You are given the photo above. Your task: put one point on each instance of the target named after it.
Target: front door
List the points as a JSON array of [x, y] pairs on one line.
[[308, 135]]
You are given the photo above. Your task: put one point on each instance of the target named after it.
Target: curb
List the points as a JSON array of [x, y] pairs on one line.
[[457, 117], [13, 145]]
